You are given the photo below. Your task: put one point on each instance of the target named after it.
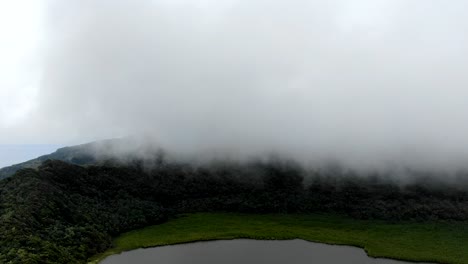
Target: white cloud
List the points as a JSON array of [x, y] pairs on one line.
[[369, 82], [21, 28]]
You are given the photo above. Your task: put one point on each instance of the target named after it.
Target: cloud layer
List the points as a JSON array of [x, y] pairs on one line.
[[370, 83]]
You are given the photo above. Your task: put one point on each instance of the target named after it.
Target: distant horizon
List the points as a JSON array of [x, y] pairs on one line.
[[11, 154]]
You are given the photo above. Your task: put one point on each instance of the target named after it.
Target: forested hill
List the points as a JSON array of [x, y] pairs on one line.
[[84, 154], [64, 213], [79, 155]]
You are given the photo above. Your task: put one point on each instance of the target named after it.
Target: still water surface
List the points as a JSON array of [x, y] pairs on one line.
[[245, 251]]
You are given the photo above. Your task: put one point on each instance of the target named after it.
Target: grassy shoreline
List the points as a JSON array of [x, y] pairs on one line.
[[426, 242]]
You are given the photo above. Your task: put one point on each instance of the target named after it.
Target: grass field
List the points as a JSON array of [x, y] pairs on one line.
[[429, 242]]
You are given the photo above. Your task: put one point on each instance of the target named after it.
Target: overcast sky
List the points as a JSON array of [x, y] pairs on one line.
[[366, 82]]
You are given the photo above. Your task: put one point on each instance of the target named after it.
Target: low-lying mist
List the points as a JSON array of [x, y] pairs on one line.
[[374, 85], [142, 154]]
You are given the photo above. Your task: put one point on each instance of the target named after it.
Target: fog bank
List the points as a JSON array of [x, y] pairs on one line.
[[368, 83]]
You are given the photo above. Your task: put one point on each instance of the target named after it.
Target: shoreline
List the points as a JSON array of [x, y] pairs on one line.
[[254, 239], [324, 229]]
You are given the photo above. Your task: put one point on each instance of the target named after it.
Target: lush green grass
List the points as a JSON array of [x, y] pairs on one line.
[[429, 242]]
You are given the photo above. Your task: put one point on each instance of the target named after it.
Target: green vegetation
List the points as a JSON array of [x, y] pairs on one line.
[[79, 155], [85, 154], [429, 241], [64, 213]]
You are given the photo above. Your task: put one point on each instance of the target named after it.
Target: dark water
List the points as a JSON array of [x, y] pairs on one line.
[[245, 251]]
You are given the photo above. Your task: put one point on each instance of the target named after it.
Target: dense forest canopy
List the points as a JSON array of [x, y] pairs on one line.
[[65, 213]]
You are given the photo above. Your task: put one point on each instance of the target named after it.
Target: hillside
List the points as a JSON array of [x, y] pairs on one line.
[[79, 155], [97, 152], [64, 213]]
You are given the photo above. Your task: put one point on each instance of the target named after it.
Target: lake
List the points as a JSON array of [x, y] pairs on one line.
[[248, 251]]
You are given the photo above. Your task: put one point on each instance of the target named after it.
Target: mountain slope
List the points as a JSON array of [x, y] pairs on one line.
[[79, 155], [87, 154], [64, 213]]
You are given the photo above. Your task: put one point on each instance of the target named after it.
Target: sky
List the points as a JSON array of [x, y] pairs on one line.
[[368, 83], [17, 153]]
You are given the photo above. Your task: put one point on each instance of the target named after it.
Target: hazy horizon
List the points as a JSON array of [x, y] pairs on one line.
[[11, 154]]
